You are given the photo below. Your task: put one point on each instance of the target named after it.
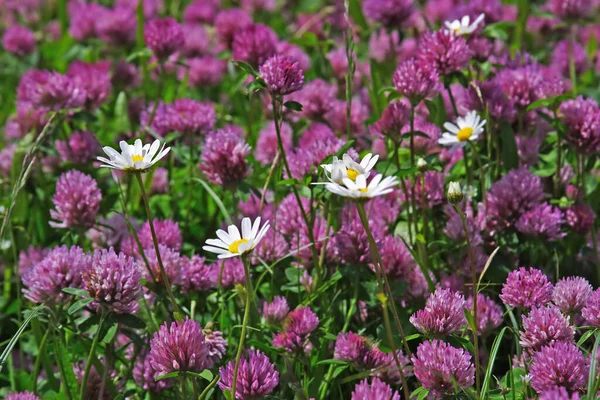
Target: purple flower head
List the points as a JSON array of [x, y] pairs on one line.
[[167, 233], [352, 347], [29, 258], [489, 313], [316, 98], [81, 148], [545, 325], [160, 181], [192, 118], [432, 194], [7, 155], [337, 117], [111, 232], [289, 215], [125, 75], [571, 294], [197, 41], [172, 262], [50, 89], [114, 281], [395, 258], [570, 9], [559, 365], [217, 347], [228, 22], [151, 7], [206, 71], [271, 248], [19, 40], [298, 325], [389, 13], [522, 85], [76, 201], [444, 52], [513, 195], [201, 12], [351, 243], [416, 81], [26, 395], [144, 374], [83, 17], [295, 53], [182, 347], [591, 311], [384, 46], [544, 221], [254, 44], [256, 378], [526, 288], [580, 218], [266, 145], [253, 6], [93, 79], [282, 75], [443, 314], [224, 158], [117, 27], [164, 36], [233, 272], [197, 275], [61, 268], [275, 311], [582, 119], [562, 55], [560, 393], [439, 366], [377, 390], [393, 119]]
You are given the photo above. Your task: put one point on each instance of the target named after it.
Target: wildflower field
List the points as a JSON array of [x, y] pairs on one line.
[[299, 199]]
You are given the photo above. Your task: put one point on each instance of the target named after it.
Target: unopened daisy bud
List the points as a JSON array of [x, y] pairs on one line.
[[422, 165], [455, 194]]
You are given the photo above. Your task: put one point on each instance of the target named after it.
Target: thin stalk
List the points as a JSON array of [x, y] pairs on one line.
[[309, 229], [477, 159], [182, 383], [38, 360], [163, 273], [92, 353], [210, 386], [405, 191], [474, 294], [558, 158], [467, 166], [383, 298], [244, 324]]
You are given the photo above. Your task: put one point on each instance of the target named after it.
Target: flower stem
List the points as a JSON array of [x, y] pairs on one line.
[[467, 166], [276, 115], [161, 266], [210, 386], [244, 324], [383, 298], [92, 353], [474, 294]]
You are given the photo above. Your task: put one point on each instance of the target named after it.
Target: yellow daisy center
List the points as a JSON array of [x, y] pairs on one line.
[[352, 174], [464, 134], [233, 247], [137, 158], [363, 190]]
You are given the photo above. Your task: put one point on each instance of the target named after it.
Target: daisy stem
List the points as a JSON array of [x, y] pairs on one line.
[[467, 166], [474, 294], [383, 297], [244, 324], [92, 353], [276, 115], [163, 273]]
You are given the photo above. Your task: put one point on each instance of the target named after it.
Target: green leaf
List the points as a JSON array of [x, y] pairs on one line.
[[76, 292], [122, 123], [488, 372], [499, 30], [247, 68], [293, 105], [549, 101], [143, 53], [131, 321], [78, 305], [216, 198], [167, 376], [110, 334], [593, 380], [509, 153], [584, 337], [332, 361]]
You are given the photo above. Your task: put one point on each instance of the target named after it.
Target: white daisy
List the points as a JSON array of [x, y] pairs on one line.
[[134, 157], [463, 26], [348, 168], [232, 244], [466, 128], [360, 190]]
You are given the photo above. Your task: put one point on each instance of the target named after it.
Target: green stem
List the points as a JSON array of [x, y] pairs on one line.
[[38, 360], [161, 266], [477, 159], [182, 383], [474, 294], [92, 353], [558, 158], [383, 298], [467, 166], [209, 387], [244, 324]]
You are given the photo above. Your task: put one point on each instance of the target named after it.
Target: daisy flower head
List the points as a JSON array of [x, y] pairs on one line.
[[464, 25], [359, 189], [467, 128], [348, 168], [232, 244], [134, 157]]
